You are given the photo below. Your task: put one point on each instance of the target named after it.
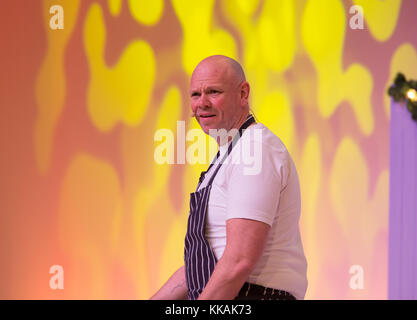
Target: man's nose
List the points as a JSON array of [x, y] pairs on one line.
[[204, 101]]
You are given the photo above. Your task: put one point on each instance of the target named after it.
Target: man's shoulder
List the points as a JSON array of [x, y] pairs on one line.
[[261, 134]]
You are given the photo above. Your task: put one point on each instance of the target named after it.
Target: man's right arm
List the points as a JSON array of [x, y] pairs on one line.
[[174, 289]]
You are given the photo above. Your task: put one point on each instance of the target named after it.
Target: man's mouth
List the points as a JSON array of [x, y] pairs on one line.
[[205, 116]]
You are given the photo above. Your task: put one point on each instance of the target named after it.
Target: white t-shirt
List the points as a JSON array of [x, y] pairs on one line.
[[266, 189]]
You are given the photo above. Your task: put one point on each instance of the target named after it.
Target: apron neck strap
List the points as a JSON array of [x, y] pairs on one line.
[[249, 120]]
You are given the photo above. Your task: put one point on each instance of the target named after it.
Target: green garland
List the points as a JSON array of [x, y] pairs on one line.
[[403, 90]]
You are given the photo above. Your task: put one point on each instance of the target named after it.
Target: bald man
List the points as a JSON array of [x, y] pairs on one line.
[[243, 239]]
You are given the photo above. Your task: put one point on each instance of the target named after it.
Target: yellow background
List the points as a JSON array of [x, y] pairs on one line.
[[80, 106]]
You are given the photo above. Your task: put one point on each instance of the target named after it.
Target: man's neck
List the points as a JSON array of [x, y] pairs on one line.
[[234, 130], [242, 120]]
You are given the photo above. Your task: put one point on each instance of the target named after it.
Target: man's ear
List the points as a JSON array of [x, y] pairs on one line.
[[244, 92]]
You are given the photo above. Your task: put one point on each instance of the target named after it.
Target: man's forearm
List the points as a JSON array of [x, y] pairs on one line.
[[245, 242], [174, 289], [226, 281]]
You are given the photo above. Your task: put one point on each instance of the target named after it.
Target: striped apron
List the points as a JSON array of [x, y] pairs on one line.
[[199, 258]]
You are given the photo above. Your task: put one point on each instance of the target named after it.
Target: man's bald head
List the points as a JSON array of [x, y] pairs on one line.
[[219, 93], [223, 64]]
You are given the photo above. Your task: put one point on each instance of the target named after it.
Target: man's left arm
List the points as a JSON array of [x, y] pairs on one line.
[[245, 243]]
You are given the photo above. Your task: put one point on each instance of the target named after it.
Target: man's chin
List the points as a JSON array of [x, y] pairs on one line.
[[206, 130]]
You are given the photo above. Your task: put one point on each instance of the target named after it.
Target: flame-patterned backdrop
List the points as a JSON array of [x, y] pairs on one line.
[[80, 106]]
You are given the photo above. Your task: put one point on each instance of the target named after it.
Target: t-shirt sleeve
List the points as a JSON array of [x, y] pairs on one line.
[[254, 190]]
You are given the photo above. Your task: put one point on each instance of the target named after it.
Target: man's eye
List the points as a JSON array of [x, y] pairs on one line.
[[195, 94], [214, 91]]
